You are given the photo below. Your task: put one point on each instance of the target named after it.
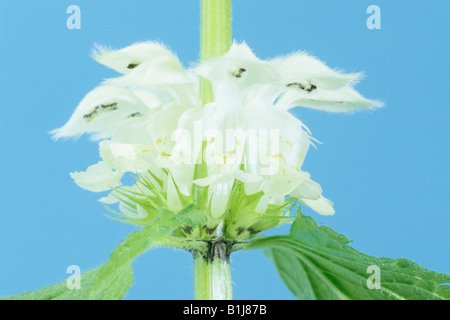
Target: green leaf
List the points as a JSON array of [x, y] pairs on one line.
[[317, 263], [113, 279], [116, 289], [139, 241]]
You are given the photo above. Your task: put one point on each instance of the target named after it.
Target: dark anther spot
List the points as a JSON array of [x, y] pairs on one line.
[[188, 230], [252, 231], [109, 107], [238, 73], [91, 115], [132, 65], [210, 230], [136, 114], [240, 231], [308, 88]]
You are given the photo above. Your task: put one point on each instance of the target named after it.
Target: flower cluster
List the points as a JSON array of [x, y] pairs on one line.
[[238, 157]]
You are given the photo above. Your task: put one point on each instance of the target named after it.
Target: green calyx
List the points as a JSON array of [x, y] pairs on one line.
[[243, 217]]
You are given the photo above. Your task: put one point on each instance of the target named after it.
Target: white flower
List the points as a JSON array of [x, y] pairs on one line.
[[148, 121]]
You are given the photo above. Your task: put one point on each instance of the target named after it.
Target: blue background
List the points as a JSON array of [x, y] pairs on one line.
[[387, 171]]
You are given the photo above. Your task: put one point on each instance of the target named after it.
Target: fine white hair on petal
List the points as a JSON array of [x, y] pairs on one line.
[[311, 83], [129, 58], [241, 51], [144, 64], [341, 100], [302, 67], [163, 70], [99, 110], [236, 71]]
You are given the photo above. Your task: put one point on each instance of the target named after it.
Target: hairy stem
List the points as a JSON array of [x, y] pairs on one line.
[[215, 37], [212, 273]]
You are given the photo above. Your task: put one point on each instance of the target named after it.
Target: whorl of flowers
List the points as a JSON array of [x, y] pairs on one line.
[[238, 158]]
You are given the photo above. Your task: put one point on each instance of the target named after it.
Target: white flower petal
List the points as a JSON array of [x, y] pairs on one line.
[[109, 199], [99, 111], [98, 177], [126, 157], [341, 100], [307, 189], [303, 68], [161, 125], [262, 95], [130, 58], [238, 69], [322, 206], [252, 188], [154, 73], [132, 130], [263, 204], [246, 177], [141, 212], [219, 194], [284, 183], [210, 179], [183, 176]]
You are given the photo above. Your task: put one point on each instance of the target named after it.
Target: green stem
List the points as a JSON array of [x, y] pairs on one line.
[[215, 37], [212, 273]]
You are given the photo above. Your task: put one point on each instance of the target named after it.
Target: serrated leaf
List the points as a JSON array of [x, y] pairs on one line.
[[114, 290], [139, 241], [113, 279], [317, 263]]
